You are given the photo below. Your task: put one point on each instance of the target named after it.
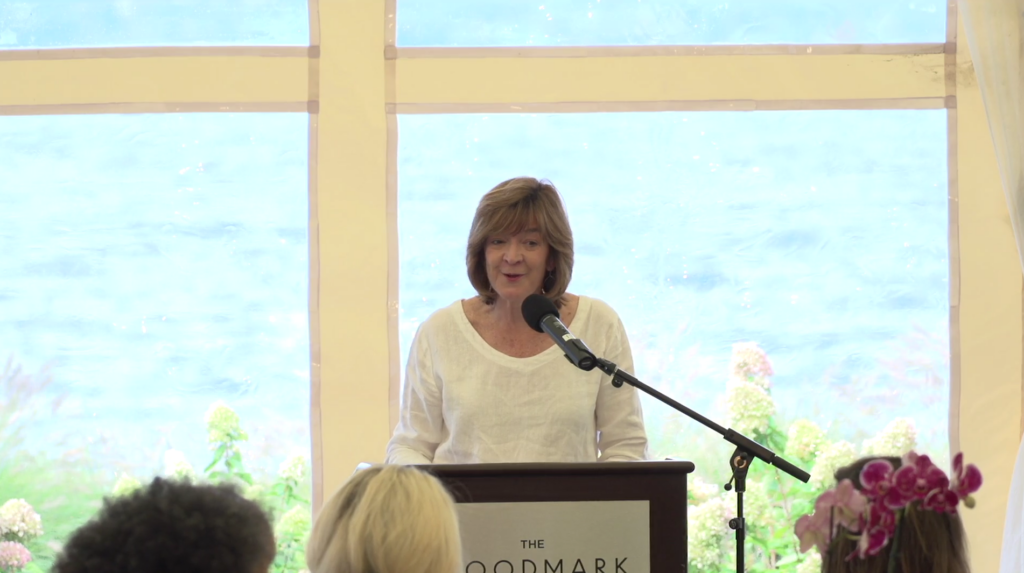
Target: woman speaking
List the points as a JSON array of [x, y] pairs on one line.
[[482, 386]]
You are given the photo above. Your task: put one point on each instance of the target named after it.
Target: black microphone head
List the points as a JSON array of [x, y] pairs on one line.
[[535, 308]]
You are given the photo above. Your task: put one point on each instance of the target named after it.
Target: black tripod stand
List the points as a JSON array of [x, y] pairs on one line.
[[739, 463]]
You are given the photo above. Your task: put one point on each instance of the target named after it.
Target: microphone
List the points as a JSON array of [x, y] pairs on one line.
[[540, 313]]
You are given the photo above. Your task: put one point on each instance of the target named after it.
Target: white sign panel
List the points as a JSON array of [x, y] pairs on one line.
[[556, 537]]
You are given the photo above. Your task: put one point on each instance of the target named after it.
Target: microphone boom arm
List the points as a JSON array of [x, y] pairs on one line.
[[739, 462], [732, 436]]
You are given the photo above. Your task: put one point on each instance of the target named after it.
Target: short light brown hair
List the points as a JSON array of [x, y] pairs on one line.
[[387, 519], [510, 207], [927, 540]]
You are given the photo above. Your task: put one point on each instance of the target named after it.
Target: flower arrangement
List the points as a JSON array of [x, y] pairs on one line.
[[19, 524], [873, 514]]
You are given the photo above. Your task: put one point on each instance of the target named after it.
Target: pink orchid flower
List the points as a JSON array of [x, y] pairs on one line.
[[878, 527], [813, 531], [849, 505], [918, 477], [941, 500], [870, 514], [966, 480], [879, 516], [841, 506], [870, 543], [878, 479]]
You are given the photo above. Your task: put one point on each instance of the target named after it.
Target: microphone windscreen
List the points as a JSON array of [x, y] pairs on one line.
[[536, 307]]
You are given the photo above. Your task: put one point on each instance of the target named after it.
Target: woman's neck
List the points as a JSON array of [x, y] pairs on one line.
[[509, 314]]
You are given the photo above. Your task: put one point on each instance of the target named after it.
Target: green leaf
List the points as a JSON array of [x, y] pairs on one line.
[[791, 558], [759, 542], [219, 476], [784, 533], [212, 465], [218, 455]]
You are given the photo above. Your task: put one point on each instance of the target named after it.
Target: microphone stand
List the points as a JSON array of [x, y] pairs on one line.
[[739, 462]]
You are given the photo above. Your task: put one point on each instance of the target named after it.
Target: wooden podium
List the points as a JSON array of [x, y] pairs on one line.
[[591, 514]]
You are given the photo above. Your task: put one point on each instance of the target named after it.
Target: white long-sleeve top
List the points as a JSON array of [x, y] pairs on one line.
[[465, 402]]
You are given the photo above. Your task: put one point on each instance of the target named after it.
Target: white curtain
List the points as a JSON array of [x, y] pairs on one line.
[[1013, 534], [994, 36]]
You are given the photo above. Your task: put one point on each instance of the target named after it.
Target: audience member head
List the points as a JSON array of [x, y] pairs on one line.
[[172, 527], [387, 519], [888, 514], [511, 207]]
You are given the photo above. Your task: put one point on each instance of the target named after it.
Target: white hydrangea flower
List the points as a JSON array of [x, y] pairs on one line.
[[811, 562], [750, 407], [757, 505], [125, 485], [749, 363], [223, 423], [707, 528], [831, 458], [293, 469], [896, 439], [703, 491], [804, 439], [294, 524], [19, 522], [254, 492], [176, 466]]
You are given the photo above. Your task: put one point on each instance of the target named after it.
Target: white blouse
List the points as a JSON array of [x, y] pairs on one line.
[[465, 402]]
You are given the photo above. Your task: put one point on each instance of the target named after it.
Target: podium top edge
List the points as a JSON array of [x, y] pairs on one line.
[[550, 469]]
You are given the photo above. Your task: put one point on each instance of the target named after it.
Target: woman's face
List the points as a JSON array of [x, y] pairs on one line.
[[517, 264]]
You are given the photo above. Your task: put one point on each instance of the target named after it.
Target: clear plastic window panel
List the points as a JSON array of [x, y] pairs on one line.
[[817, 237], [154, 304], [467, 23], [120, 23]]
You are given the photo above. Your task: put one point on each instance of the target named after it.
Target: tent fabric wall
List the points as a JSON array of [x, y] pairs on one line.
[[353, 80], [993, 31]]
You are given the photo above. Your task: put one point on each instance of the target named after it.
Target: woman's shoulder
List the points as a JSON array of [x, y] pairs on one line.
[[474, 309], [588, 313], [596, 307], [443, 319], [569, 308]]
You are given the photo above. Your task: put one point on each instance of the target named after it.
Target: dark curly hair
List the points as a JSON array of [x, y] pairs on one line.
[[172, 526]]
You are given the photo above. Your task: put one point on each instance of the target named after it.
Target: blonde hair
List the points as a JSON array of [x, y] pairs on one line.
[[510, 207], [387, 519]]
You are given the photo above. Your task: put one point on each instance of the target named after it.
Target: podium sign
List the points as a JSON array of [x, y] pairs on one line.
[[627, 517], [556, 537]]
